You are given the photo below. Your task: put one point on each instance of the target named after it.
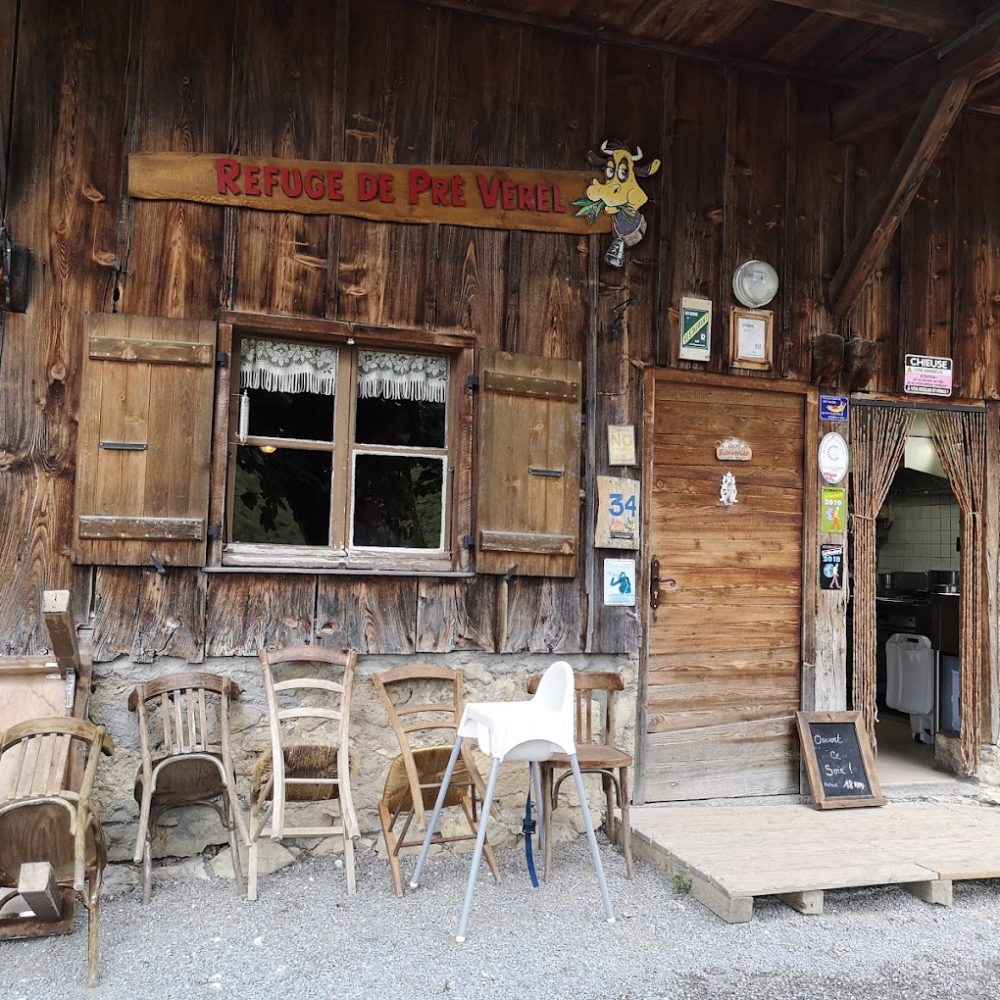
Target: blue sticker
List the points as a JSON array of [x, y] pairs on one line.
[[834, 408]]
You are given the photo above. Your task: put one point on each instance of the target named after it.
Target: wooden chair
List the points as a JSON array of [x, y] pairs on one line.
[[48, 820], [309, 715], [597, 755], [186, 758], [424, 703]]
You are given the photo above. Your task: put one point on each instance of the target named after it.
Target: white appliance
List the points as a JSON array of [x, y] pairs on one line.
[[909, 681]]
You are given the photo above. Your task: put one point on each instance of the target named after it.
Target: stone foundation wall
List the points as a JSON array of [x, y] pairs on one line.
[[190, 831], [989, 763], [948, 754]]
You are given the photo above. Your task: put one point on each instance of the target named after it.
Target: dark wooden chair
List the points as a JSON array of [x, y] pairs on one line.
[[424, 703], [47, 819], [308, 691], [597, 754], [186, 758]]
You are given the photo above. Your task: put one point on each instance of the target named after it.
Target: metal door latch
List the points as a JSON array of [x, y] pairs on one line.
[[654, 584]]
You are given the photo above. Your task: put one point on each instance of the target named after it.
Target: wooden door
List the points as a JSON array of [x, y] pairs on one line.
[[721, 674]]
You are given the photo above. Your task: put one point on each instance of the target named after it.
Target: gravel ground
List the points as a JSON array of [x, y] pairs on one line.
[[305, 938]]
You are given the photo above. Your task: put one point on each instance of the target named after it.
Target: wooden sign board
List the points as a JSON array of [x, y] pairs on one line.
[[617, 513], [484, 197], [839, 760]]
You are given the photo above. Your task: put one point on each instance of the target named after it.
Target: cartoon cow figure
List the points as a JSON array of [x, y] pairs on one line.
[[619, 195]]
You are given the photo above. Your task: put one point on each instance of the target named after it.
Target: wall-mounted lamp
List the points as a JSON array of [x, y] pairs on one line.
[[268, 449], [755, 283], [14, 262]]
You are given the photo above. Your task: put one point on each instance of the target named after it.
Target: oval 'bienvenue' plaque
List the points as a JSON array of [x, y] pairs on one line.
[[733, 450], [834, 458]]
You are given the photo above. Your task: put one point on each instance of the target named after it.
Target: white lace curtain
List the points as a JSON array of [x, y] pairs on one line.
[[402, 376], [282, 366]]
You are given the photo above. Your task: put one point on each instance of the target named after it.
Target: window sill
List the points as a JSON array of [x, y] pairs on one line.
[[245, 558], [440, 574]]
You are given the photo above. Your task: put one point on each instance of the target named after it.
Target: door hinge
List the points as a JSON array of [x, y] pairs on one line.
[[468, 542], [473, 383], [221, 359], [214, 531]]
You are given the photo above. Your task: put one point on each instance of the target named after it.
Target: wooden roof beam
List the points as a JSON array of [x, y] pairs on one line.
[[901, 90], [935, 18], [922, 144], [646, 14]]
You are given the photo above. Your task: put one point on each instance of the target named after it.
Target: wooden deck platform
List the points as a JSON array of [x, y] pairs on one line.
[[732, 854]]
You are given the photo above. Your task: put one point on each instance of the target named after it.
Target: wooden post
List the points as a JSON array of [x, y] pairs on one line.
[[62, 631]]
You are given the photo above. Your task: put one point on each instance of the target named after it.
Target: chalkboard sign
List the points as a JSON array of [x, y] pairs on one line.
[[838, 760]]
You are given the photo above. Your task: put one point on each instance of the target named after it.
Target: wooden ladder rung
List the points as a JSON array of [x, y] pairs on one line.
[[311, 831]]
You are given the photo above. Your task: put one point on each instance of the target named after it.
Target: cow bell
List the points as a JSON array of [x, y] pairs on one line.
[[616, 253]]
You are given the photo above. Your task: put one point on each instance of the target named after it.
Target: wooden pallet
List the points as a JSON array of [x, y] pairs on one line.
[[732, 854]]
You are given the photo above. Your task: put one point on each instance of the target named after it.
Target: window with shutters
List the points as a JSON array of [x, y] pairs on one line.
[[346, 451], [296, 443]]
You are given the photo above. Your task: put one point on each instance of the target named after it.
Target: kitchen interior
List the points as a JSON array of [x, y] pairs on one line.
[[917, 615]]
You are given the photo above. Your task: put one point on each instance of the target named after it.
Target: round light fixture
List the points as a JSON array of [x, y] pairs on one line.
[[268, 449], [755, 283]]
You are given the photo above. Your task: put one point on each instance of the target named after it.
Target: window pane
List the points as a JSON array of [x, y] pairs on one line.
[[418, 423], [397, 501], [282, 498], [306, 415]]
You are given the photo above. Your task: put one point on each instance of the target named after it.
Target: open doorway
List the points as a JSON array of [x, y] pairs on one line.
[[919, 645], [918, 563]]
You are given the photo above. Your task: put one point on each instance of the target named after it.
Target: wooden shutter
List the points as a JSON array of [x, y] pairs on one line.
[[528, 495], [144, 441]]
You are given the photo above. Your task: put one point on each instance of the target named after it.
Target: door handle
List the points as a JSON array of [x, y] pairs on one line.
[[654, 584]]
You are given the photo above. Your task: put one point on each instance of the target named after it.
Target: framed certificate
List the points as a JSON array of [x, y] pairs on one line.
[[750, 338]]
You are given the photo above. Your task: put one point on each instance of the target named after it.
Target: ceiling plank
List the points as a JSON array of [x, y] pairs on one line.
[[939, 113], [609, 36], [801, 40], [901, 90], [935, 18], [647, 14]]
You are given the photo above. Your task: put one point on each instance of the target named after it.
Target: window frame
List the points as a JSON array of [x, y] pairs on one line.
[[458, 452]]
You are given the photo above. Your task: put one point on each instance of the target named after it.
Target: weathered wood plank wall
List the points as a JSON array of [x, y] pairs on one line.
[[748, 171]]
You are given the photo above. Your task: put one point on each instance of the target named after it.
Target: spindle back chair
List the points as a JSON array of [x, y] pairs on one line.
[[184, 739]]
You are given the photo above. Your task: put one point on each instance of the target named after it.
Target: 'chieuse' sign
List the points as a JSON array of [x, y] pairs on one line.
[[838, 760], [485, 197]]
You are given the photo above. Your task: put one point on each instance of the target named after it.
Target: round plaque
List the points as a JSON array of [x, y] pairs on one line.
[[834, 458]]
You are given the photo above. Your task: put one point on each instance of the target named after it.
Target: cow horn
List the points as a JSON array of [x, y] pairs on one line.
[[638, 154], [604, 148]]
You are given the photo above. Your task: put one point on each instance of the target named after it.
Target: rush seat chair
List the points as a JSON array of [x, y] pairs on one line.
[[308, 691], [596, 754], [530, 731], [424, 704], [47, 816], [184, 739]]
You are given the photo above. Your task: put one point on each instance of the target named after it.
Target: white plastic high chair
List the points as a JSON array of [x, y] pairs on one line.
[[531, 731]]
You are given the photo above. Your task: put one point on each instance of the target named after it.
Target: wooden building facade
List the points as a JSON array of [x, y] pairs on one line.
[[120, 412]]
